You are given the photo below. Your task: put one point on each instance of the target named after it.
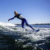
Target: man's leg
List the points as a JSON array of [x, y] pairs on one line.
[[22, 23], [29, 25]]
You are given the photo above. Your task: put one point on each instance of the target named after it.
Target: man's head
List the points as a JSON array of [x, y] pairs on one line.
[[15, 12]]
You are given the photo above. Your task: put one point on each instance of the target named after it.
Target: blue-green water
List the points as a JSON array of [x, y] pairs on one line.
[[13, 38], [39, 26]]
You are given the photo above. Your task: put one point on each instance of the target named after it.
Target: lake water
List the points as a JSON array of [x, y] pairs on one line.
[[17, 38]]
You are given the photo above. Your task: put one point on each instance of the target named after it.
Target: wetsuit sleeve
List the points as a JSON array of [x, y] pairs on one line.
[[11, 18]]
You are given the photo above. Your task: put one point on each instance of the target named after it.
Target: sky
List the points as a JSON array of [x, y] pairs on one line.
[[35, 11]]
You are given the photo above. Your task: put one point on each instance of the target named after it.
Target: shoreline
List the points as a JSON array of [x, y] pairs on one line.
[[37, 24]]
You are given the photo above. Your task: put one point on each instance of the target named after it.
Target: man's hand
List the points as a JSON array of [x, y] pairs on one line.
[[8, 20]]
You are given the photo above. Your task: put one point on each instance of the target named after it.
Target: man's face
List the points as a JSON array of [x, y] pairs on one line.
[[15, 13]]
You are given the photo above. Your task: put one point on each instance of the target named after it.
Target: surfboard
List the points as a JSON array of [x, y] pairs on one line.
[[36, 30]]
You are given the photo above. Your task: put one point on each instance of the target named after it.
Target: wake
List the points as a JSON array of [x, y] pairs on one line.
[[33, 36], [11, 29]]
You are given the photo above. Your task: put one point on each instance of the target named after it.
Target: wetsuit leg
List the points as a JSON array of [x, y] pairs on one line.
[[28, 24], [22, 23]]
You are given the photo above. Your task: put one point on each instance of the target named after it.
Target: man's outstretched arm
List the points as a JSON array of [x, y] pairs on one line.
[[11, 18]]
